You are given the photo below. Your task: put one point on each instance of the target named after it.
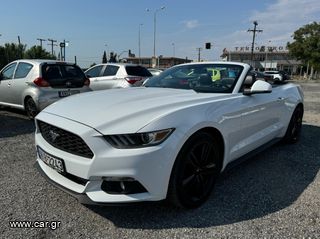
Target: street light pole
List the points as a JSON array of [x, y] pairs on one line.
[[140, 25], [154, 28], [174, 49]]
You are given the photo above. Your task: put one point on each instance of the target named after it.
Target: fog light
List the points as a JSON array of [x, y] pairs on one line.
[[113, 185]]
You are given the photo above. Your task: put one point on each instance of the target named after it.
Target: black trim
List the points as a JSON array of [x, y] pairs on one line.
[[249, 155], [249, 92]]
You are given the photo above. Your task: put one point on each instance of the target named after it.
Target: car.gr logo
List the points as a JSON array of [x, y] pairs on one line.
[[53, 135]]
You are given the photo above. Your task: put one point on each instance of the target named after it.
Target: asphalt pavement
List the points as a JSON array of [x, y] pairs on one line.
[[275, 194]]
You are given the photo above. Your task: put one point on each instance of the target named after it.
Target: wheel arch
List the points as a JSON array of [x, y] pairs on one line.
[[26, 97], [216, 133]]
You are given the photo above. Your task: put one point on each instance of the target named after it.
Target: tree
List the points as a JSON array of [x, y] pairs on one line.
[[11, 52], [306, 45], [104, 57], [113, 57], [37, 52]]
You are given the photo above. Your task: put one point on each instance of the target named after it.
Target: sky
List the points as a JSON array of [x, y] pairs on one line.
[[94, 26]]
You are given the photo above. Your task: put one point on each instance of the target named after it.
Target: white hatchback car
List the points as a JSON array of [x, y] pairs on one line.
[[32, 85], [116, 75], [170, 139]]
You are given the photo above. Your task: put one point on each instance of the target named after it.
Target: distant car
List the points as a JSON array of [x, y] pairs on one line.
[[155, 71], [167, 140], [259, 75], [34, 84], [116, 75], [277, 76]]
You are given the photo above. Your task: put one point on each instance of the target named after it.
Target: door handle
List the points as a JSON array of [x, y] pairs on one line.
[[280, 98]]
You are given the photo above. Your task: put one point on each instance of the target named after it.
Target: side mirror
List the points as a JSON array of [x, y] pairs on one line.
[[259, 87]]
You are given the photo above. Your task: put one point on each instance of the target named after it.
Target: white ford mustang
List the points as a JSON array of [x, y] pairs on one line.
[[167, 140]]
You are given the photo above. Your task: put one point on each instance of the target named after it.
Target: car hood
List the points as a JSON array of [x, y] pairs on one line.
[[126, 110]]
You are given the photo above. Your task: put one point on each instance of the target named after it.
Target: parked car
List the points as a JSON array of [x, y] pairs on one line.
[[155, 71], [167, 140], [32, 85], [259, 75], [277, 76], [116, 75]]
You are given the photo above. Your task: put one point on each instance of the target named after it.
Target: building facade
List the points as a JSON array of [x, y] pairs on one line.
[[159, 62], [264, 58]]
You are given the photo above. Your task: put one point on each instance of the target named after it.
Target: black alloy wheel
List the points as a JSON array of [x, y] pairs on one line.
[[31, 108], [195, 171], [294, 129]]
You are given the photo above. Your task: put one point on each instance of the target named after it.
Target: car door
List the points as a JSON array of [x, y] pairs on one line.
[[108, 79], [6, 82], [260, 120], [19, 82], [94, 74]]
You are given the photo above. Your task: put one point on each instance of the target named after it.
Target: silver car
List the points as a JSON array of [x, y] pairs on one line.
[[32, 85], [116, 75]]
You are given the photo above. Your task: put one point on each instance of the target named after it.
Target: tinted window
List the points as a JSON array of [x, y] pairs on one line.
[[23, 70], [94, 72], [7, 73], [110, 71], [63, 75], [207, 78], [137, 71]]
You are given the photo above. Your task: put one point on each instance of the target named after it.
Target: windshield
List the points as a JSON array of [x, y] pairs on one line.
[[209, 78]]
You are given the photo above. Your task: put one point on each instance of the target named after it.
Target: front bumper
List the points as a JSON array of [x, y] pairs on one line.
[[150, 166]]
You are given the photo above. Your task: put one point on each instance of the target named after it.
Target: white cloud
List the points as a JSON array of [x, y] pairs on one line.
[[190, 24], [282, 18], [278, 22]]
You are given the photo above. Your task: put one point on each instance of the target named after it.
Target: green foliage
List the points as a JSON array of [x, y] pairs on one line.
[[104, 57], [12, 51], [113, 57], [306, 44], [37, 52]]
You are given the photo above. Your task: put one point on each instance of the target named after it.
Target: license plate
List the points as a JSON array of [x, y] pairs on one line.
[[52, 161], [68, 93]]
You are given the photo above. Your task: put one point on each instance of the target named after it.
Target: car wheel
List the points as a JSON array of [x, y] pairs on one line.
[[294, 129], [31, 108], [195, 171]]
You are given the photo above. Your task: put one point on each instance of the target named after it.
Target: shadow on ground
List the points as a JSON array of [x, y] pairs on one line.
[[14, 122], [267, 183]]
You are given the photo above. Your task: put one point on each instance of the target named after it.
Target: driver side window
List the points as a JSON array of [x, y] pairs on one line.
[[7, 73]]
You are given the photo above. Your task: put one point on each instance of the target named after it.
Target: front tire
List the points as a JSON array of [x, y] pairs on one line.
[[195, 171], [294, 129], [31, 108]]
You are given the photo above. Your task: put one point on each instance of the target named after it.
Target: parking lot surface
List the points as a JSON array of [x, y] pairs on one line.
[[275, 194]]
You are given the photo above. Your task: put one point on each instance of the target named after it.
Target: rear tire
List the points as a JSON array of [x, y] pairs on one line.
[[195, 171], [294, 129], [31, 108]]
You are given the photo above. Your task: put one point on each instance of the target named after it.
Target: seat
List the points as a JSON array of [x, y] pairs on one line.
[[205, 80]]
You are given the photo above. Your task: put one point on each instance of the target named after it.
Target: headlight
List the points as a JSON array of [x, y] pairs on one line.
[[138, 140]]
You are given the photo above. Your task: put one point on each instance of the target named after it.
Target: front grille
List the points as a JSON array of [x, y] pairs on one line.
[[64, 140]]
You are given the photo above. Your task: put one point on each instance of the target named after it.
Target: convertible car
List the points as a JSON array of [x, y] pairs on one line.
[[169, 139]]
